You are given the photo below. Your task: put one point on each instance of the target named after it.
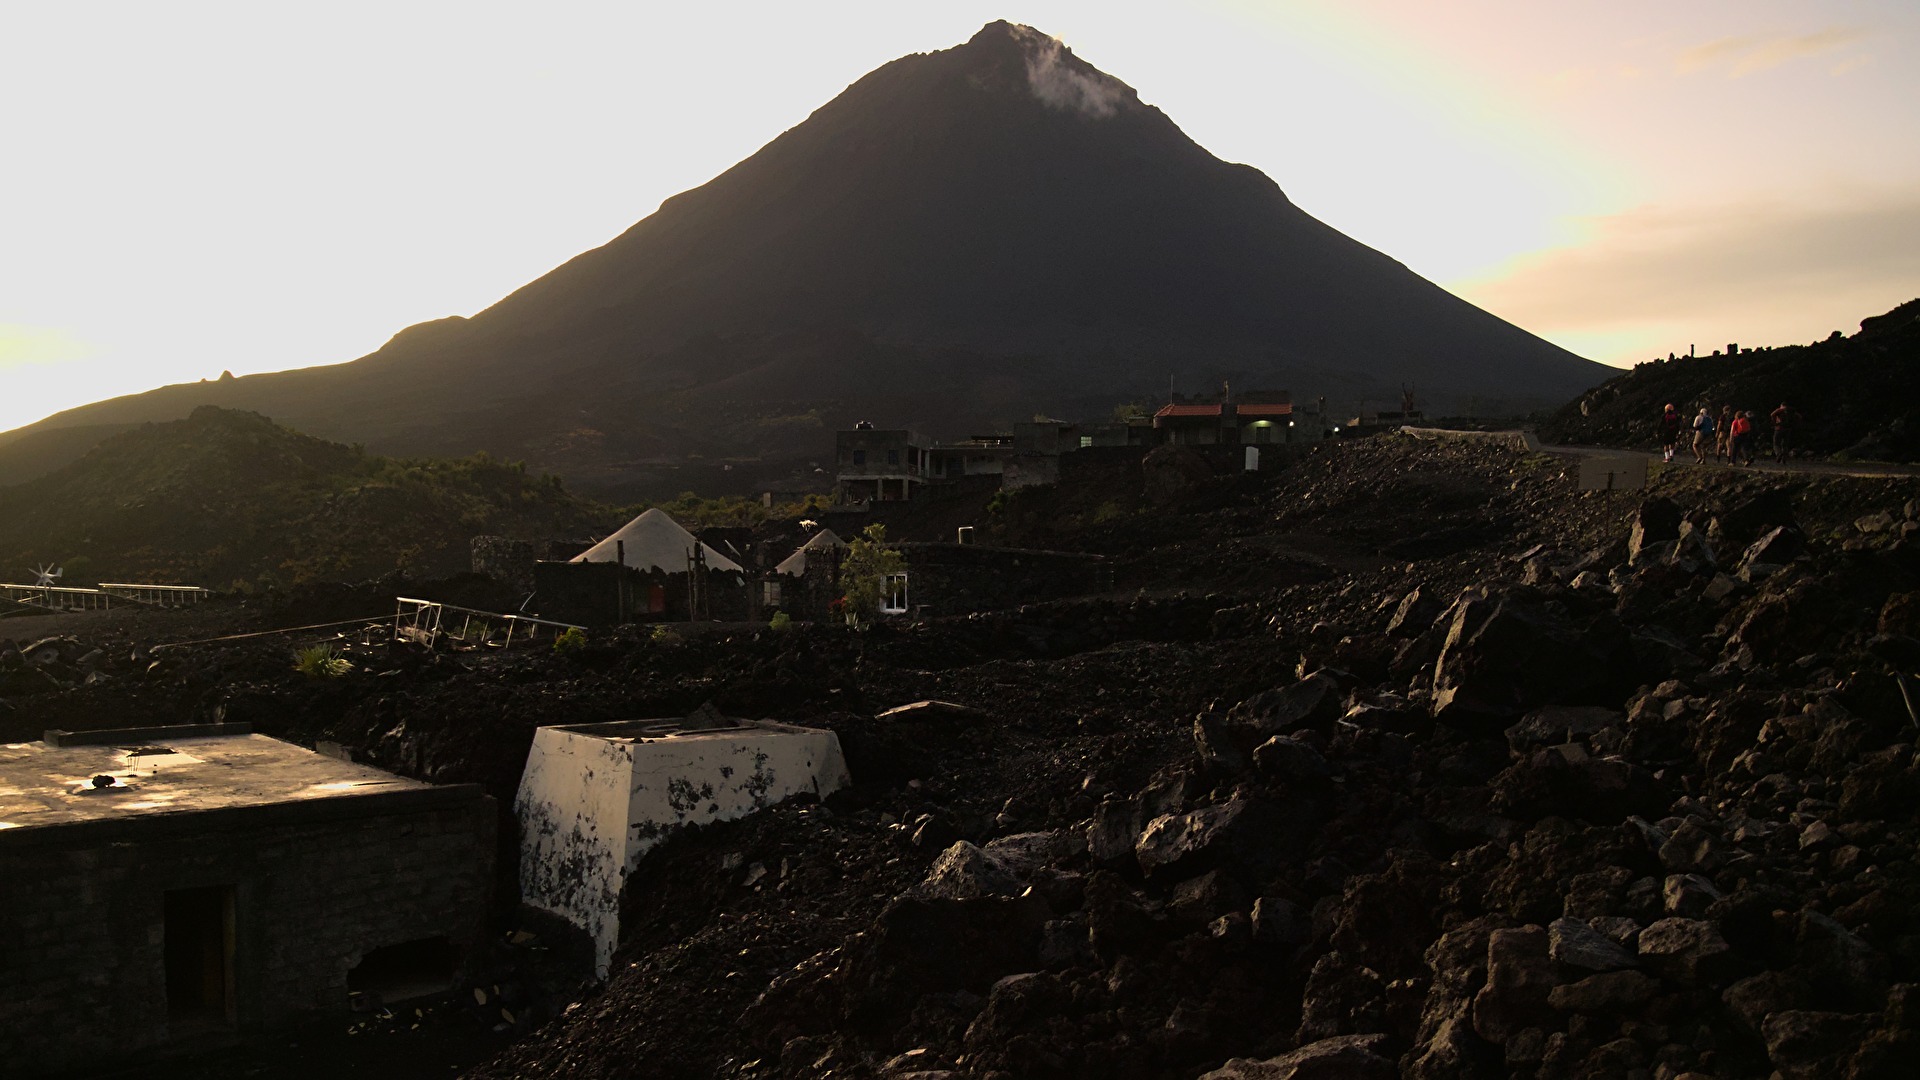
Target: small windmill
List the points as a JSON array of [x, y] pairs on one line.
[[47, 575]]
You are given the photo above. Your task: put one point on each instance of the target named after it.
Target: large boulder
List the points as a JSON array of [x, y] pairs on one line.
[[1777, 547], [1657, 521], [1607, 992], [1570, 781], [1344, 1057], [1506, 653], [1314, 702], [1415, 614], [964, 871], [1173, 471], [1560, 724], [1805, 1044], [1690, 952], [1577, 945], [1519, 977], [1252, 839]]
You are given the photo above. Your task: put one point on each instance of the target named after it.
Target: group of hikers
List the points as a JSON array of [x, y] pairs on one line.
[[1728, 437]]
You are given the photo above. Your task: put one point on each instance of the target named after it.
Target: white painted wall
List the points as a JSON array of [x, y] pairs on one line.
[[592, 802]]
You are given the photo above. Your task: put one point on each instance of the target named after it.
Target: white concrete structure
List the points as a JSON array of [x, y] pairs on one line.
[[595, 797]]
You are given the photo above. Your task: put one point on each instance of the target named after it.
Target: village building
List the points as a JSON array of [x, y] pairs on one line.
[[875, 465], [879, 465], [184, 887], [975, 455], [1252, 418], [650, 569], [806, 583]]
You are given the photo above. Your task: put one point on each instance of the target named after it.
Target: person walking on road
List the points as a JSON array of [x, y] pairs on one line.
[[1783, 421], [1723, 435], [1669, 431], [1742, 439], [1702, 436]]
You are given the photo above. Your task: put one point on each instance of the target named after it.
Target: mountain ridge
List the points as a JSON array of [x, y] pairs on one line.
[[958, 238]]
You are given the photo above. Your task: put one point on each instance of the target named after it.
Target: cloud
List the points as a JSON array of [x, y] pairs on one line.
[[1063, 82], [1760, 272], [1751, 53]]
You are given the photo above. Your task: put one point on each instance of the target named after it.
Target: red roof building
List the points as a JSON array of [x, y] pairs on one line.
[[1254, 417]]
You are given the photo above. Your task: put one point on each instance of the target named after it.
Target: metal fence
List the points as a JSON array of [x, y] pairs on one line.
[[429, 623], [163, 595], [57, 598]]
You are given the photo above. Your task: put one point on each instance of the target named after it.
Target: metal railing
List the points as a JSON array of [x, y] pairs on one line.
[[58, 598], [428, 622], [77, 598], [171, 595]]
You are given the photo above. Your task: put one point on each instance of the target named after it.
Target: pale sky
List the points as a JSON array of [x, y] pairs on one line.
[[193, 187]]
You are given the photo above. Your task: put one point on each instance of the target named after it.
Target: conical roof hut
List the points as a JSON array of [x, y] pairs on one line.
[[654, 541]]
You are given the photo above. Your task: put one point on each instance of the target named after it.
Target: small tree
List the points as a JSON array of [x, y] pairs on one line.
[[864, 571]]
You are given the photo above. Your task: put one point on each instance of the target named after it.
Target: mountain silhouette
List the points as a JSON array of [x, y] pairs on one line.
[[959, 239]]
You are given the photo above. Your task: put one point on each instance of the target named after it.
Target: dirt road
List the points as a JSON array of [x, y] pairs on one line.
[[1812, 466]]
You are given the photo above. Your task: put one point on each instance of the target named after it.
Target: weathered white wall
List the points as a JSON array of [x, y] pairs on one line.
[[591, 805]]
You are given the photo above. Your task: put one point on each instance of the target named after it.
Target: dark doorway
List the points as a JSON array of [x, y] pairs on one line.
[[408, 970], [199, 955]]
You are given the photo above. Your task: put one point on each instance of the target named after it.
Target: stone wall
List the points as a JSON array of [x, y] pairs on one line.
[[315, 886], [507, 561], [955, 579], [592, 594]]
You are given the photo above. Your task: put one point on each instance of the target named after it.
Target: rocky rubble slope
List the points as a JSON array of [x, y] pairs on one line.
[[1451, 771], [1637, 802]]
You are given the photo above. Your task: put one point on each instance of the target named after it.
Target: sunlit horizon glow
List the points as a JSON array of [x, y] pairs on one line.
[[216, 186]]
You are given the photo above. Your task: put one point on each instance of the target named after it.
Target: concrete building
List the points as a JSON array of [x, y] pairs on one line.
[[181, 888], [975, 455], [1253, 417], [596, 797], [879, 465]]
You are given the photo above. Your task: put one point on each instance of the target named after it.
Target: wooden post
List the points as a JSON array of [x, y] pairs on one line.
[[620, 582]]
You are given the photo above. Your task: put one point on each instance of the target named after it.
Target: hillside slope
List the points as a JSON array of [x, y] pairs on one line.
[[224, 497], [1858, 397], [960, 238]]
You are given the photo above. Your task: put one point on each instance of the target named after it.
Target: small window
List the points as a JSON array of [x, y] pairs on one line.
[[894, 595], [859, 457], [770, 593], [893, 457], [1086, 441]]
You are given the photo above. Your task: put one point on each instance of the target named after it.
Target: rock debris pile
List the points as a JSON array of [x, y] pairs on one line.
[[1455, 772], [1634, 799]]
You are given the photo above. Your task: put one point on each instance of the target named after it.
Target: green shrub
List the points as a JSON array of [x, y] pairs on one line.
[[320, 662], [781, 621], [573, 639], [864, 572]]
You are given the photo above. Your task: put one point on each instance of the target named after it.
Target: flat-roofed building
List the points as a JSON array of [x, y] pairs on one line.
[[179, 888]]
